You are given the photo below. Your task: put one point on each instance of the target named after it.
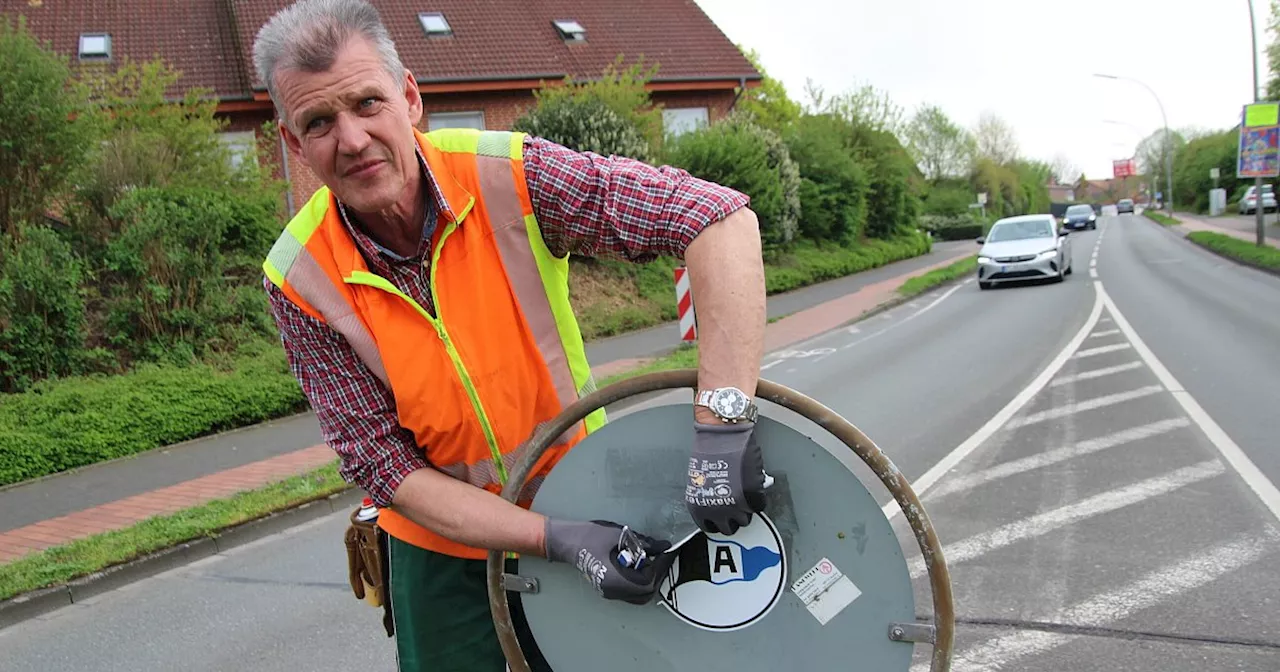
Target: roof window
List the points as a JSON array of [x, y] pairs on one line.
[[434, 24], [95, 47], [571, 30]]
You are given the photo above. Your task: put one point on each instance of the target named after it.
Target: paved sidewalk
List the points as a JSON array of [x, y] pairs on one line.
[[35, 515], [1197, 223]]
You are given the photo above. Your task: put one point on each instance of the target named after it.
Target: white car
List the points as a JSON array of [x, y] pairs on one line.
[[1029, 247]]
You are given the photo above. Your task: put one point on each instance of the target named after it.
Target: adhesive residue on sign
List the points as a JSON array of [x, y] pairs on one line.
[[825, 591]]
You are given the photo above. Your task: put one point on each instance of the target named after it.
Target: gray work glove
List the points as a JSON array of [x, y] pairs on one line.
[[726, 477], [593, 548]]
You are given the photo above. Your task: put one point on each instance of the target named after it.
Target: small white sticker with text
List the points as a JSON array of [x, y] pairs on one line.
[[825, 591]]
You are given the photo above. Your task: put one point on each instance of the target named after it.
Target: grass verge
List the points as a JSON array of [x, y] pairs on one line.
[[1160, 218], [82, 557], [927, 281], [685, 357], [1265, 257]]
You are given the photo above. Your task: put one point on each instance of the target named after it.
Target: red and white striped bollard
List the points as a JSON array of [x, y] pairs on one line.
[[684, 306]]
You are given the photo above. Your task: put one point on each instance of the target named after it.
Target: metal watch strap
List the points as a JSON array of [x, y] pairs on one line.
[[749, 414]]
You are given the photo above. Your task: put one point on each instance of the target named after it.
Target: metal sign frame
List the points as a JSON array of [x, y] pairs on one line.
[[940, 633]]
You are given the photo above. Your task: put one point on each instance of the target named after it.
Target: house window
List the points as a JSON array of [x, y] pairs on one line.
[[435, 25], [680, 120], [570, 30], [95, 47], [455, 120], [240, 146]]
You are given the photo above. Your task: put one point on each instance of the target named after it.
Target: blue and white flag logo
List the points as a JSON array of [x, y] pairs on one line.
[[724, 583]]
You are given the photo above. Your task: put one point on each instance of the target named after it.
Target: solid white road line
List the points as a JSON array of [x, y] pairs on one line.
[[1095, 373], [1086, 405], [1042, 460], [908, 318], [1044, 523], [1093, 272], [1261, 485], [984, 432], [1169, 582], [1101, 350], [1108, 332]]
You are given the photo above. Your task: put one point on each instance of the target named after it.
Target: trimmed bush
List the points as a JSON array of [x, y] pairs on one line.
[[833, 184], [741, 155], [170, 274], [585, 124], [42, 313]]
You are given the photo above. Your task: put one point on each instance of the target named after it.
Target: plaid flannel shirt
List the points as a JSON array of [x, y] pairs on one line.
[[585, 204]]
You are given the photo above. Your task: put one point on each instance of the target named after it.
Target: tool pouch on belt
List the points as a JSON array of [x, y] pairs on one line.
[[367, 566]]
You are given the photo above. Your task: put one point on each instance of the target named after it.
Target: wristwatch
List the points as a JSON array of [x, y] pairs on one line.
[[729, 404]]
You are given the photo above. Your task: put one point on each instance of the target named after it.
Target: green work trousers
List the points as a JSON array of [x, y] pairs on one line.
[[440, 605]]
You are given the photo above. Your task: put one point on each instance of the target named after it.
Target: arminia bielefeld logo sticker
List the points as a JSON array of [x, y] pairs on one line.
[[724, 583]]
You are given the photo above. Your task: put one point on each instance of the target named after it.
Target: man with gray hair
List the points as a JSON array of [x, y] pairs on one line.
[[422, 300]]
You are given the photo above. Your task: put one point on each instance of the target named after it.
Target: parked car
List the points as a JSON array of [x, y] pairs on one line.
[[1124, 205], [1027, 247], [1249, 202], [1079, 217]]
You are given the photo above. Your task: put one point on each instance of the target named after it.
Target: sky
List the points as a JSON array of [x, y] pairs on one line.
[[1029, 61]]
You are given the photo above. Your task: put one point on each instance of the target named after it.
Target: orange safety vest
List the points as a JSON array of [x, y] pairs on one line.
[[503, 352]]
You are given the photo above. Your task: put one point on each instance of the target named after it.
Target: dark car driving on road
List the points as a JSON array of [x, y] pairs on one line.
[[1080, 217]]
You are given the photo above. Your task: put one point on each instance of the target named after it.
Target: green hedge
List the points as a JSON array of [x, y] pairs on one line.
[[809, 263], [73, 422], [1265, 257]]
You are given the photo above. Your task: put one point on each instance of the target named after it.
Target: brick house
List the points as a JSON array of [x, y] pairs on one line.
[[477, 62]]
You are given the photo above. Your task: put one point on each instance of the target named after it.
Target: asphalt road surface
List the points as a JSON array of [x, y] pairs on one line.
[[1097, 455]]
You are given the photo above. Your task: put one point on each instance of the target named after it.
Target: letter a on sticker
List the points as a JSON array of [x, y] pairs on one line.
[[724, 561]]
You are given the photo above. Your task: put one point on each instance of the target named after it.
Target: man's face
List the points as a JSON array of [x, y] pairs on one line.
[[353, 126]]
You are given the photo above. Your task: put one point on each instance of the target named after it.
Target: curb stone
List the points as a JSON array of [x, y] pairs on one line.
[[45, 600]]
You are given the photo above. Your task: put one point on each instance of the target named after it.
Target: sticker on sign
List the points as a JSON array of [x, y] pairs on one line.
[[825, 591]]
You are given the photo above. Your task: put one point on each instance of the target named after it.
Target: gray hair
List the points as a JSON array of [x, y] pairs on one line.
[[307, 35]]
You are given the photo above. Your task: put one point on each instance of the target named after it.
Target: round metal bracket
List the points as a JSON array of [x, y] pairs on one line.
[[940, 632]]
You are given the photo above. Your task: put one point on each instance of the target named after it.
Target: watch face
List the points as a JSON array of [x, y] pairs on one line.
[[729, 403]]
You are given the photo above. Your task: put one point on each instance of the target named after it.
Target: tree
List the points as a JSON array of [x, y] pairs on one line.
[[1273, 53], [1063, 170], [768, 104], [995, 139], [1151, 154], [865, 105], [43, 135], [940, 147]]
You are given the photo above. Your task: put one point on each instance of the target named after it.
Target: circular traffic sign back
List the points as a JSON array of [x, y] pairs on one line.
[[820, 575]]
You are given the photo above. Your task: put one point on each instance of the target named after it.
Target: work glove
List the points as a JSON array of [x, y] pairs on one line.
[[726, 477], [594, 549]]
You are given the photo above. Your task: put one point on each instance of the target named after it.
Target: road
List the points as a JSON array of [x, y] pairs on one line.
[[1095, 454]]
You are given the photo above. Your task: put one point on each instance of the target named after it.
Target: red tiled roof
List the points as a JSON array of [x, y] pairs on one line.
[[515, 39], [195, 37], [210, 41]]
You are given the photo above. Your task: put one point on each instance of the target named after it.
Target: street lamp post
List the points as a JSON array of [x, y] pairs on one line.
[[1257, 181], [1168, 142]]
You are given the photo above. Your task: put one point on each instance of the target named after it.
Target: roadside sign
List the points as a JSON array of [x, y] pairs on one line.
[[1258, 153], [1214, 173], [982, 198]]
